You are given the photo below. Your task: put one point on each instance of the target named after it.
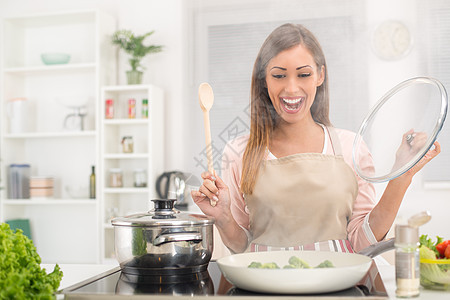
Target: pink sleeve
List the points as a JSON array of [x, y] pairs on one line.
[[364, 202], [231, 175]]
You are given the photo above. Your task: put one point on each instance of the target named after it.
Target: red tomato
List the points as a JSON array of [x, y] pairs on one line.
[[447, 252], [442, 247]]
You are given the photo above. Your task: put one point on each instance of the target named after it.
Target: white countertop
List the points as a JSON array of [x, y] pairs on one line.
[[75, 273], [388, 276]]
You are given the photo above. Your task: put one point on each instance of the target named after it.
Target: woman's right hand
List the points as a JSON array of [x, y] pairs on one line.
[[213, 189]]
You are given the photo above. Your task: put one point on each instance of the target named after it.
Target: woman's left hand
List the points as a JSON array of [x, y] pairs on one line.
[[432, 153], [412, 143]]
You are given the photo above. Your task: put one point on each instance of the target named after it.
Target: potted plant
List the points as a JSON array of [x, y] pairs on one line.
[[134, 46]]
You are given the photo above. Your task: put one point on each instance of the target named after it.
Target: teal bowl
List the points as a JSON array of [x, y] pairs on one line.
[[55, 58]]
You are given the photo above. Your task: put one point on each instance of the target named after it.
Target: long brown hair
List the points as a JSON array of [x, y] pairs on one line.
[[263, 115]]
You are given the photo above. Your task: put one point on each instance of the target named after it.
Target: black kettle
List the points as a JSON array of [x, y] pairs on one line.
[[172, 185]]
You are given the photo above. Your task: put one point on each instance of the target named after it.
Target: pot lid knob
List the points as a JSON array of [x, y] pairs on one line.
[[163, 204], [164, 209]]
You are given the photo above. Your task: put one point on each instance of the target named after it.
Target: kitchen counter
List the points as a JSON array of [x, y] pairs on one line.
[[75, 273]]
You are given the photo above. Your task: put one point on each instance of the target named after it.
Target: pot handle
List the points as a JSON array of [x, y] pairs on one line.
[[178, 237], [378, 248]]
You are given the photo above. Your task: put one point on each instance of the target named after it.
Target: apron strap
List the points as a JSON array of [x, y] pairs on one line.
[[335, 143]]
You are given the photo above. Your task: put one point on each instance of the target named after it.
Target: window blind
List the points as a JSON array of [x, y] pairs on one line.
[[434, 41]]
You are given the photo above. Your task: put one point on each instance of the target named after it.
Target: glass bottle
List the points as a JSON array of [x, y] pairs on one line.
[[144, 108], [92, 184], [407, 263], [115, 178], [131, 108], [127, 144], [140, 178], [109, 109]]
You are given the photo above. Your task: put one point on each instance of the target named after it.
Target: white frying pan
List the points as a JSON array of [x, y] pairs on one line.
[[349, 269]]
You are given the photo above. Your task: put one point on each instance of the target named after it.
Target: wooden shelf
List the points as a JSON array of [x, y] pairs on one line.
[[126, 122], [50, 201], [126, 156], [126, 190], [127, 88], [148, 155], [62, 134], [50, 68], [51, 91]]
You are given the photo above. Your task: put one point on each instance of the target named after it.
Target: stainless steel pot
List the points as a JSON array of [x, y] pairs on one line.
[[163, 241]]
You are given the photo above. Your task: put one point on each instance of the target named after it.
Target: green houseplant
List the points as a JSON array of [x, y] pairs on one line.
[[134, 46]]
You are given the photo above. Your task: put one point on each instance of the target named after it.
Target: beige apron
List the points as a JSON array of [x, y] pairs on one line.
[[302, 199]]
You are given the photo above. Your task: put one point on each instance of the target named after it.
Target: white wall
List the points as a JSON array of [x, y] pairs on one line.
[[169, 70], [383, 75]]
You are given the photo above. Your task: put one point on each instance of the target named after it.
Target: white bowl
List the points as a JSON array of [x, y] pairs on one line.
[[78, 192], [55, 58]]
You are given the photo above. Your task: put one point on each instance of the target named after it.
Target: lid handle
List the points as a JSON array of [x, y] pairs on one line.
[[163, 204]]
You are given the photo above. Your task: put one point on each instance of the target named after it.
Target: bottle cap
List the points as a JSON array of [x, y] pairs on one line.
[[109, 101], [405, 234], [144, 101], [419, 219]]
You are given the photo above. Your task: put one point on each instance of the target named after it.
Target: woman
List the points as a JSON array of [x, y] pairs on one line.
[[295, 187]]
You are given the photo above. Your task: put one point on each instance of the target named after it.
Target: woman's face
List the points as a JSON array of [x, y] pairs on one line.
[[292, 78]]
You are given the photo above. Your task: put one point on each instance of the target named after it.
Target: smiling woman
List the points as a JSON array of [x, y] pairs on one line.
[[294, 87], [295, 186]]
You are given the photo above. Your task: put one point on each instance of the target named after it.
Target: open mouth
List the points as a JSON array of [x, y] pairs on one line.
[[291, 104]]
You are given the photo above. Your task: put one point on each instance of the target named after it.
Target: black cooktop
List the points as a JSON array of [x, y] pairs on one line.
[[115, 283]]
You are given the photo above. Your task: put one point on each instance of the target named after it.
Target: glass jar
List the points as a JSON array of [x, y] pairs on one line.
[[140, 178], [109, 109], [144, 108], [127, 144], [131, 108], [407, 262], [115, 178]]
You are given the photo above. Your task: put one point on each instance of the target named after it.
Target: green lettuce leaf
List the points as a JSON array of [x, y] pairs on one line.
[[427, 242], [21, 276]]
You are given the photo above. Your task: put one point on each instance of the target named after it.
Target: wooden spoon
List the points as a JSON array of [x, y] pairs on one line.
[[206, 97]]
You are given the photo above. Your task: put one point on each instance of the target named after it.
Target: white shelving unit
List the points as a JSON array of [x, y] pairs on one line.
[[64, 229], [148, 154]]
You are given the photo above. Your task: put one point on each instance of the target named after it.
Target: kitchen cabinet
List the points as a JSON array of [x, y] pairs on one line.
[[66, 227], [146, 132]]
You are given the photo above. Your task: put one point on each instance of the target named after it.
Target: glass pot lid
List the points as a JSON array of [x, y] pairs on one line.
[[400, 129], [163, 215]]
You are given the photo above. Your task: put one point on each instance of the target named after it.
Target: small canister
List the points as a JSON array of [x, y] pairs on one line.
[[132, 108], [109, 109], [115, 178], [144, 108], [127, 144], [140, 178], [407, 267]]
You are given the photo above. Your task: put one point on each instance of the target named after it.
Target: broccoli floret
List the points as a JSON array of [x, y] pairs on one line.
[[255, 264], [271, 265], [298, 263], [325, 264]]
